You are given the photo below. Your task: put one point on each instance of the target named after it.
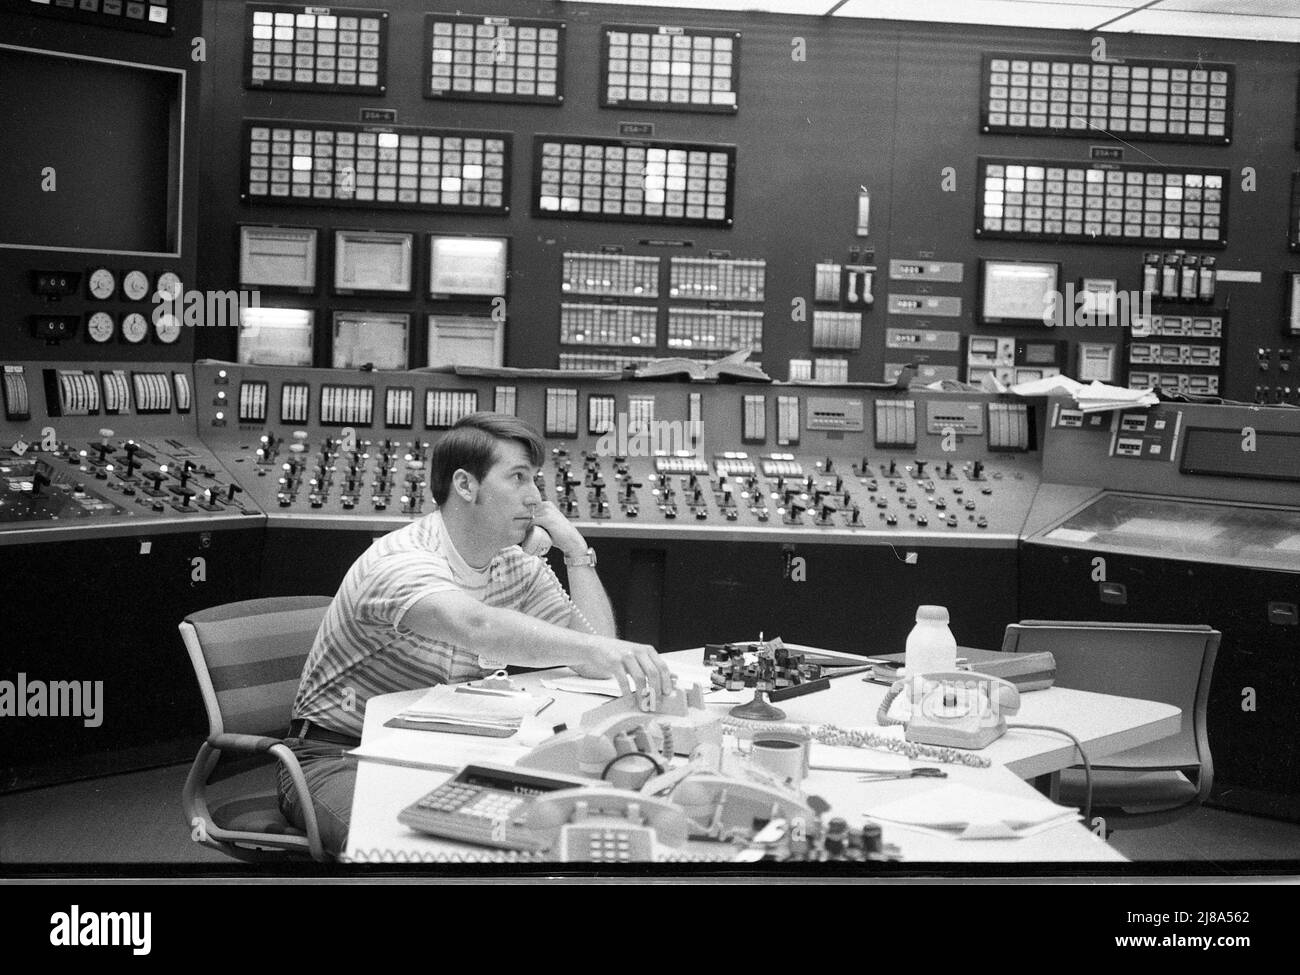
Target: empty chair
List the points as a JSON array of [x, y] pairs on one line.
[[248, 658], [1152, 784]]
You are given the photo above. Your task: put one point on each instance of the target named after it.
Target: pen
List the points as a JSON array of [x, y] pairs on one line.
[[549, 702]]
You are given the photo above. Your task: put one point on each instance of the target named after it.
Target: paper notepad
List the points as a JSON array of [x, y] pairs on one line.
[[462, 710], [973, 813]]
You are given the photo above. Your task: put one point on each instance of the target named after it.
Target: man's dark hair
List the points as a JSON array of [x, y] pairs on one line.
[[472, 444]]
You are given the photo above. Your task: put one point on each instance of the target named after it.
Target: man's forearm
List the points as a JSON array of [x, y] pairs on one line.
[[589, 596], [504, 635]]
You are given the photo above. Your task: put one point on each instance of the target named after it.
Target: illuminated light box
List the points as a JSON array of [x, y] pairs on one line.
[[404, 167], [1101, 202], [1056, 95], [466, 340], [325, 49], [474, 267], [497, 59], [633, 181], [379, 339], [1019, 292], [277, 257], [681, 69], [372, 262], [275, 336]]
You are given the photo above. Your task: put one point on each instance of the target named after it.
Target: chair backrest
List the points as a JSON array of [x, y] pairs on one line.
[[248, 658], [1151, 661]]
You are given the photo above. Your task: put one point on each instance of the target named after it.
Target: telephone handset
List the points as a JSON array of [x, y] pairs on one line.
[[606, 825], [959, 709], [719, 805]]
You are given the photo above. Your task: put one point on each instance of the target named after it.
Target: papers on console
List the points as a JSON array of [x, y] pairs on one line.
[[972, 814], [471, 711]]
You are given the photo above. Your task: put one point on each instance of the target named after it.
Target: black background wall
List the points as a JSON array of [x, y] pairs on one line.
[[883, 105]]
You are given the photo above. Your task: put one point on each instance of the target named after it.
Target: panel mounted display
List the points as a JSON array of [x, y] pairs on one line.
[[372, 262], [342, 50], [275, 336], [1108, 203], [376, 167], [277, 257], [377, 339], [494, 59], [1049, 94], [675, 69], [470, 267], [581, 178], [119, 188], [1018, 292]]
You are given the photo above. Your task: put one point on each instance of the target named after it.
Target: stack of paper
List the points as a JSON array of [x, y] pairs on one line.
[[1100, 396], [974, 814], [470, 711]]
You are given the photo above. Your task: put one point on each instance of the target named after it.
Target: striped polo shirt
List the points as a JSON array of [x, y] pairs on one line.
[[362, 648]]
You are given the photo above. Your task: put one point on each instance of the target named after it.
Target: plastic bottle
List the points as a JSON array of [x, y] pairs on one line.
[[931, 647]]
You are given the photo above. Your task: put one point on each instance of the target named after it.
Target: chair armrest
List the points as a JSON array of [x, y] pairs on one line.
[[285, 756], [243, 743]]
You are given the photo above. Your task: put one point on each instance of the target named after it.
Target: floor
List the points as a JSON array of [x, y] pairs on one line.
[[136, 818]]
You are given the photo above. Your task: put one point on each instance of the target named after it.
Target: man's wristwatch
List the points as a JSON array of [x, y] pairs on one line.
[[588, 559]]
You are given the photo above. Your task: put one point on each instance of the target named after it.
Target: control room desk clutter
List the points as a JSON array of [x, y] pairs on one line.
[[1104, 724]]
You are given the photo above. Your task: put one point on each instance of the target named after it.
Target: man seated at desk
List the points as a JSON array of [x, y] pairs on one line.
[[450, 598]]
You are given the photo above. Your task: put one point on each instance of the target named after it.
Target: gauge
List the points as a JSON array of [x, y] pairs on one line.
[[102, 283], [136, 285], [167, 328], [100, 326], [169, 286], [135, 327]]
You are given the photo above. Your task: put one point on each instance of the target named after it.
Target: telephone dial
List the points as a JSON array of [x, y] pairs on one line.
[[960, 709]]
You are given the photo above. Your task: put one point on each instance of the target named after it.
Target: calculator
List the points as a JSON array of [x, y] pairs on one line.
[[487, 805]]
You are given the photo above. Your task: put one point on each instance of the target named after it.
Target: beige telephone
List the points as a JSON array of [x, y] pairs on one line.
[[960, 709], [604, 825], [719, 806]]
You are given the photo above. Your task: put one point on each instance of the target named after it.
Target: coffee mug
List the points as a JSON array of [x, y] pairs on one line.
[[784, 756]]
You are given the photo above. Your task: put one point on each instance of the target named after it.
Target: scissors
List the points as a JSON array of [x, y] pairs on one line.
[[913, 773]]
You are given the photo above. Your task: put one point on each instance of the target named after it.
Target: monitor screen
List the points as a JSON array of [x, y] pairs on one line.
[[371, 261], [378, 339], [90, 153], [1019, 292], [277, 257], [468, 266], [275, 336]]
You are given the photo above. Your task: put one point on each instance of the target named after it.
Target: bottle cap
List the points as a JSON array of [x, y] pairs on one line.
[[932, 614]]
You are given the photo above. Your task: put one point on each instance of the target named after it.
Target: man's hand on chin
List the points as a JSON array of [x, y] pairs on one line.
[[567, 538]]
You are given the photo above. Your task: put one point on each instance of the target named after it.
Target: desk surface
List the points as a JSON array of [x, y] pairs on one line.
[[1104, 724]]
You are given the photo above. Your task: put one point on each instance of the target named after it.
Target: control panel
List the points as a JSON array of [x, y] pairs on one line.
[[627, 457], [109, 449]]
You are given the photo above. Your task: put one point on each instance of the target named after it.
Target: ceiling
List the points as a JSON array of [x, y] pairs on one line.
[[1258, 20]]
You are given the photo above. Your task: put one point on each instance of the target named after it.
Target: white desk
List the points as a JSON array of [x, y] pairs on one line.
[[1104, 724]]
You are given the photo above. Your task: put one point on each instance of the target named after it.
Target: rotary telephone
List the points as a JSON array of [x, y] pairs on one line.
[[959, 709]]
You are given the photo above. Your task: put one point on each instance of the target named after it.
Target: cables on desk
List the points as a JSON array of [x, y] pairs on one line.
[[1087, 766]]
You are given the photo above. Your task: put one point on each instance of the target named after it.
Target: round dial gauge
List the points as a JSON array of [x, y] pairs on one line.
[[135, 327], [169, 286], [136, 285], [100, 326], [102, 283], [167, 328]]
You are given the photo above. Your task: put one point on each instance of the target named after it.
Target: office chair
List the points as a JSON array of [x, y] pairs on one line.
[[248, 658], [1148, 785]]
